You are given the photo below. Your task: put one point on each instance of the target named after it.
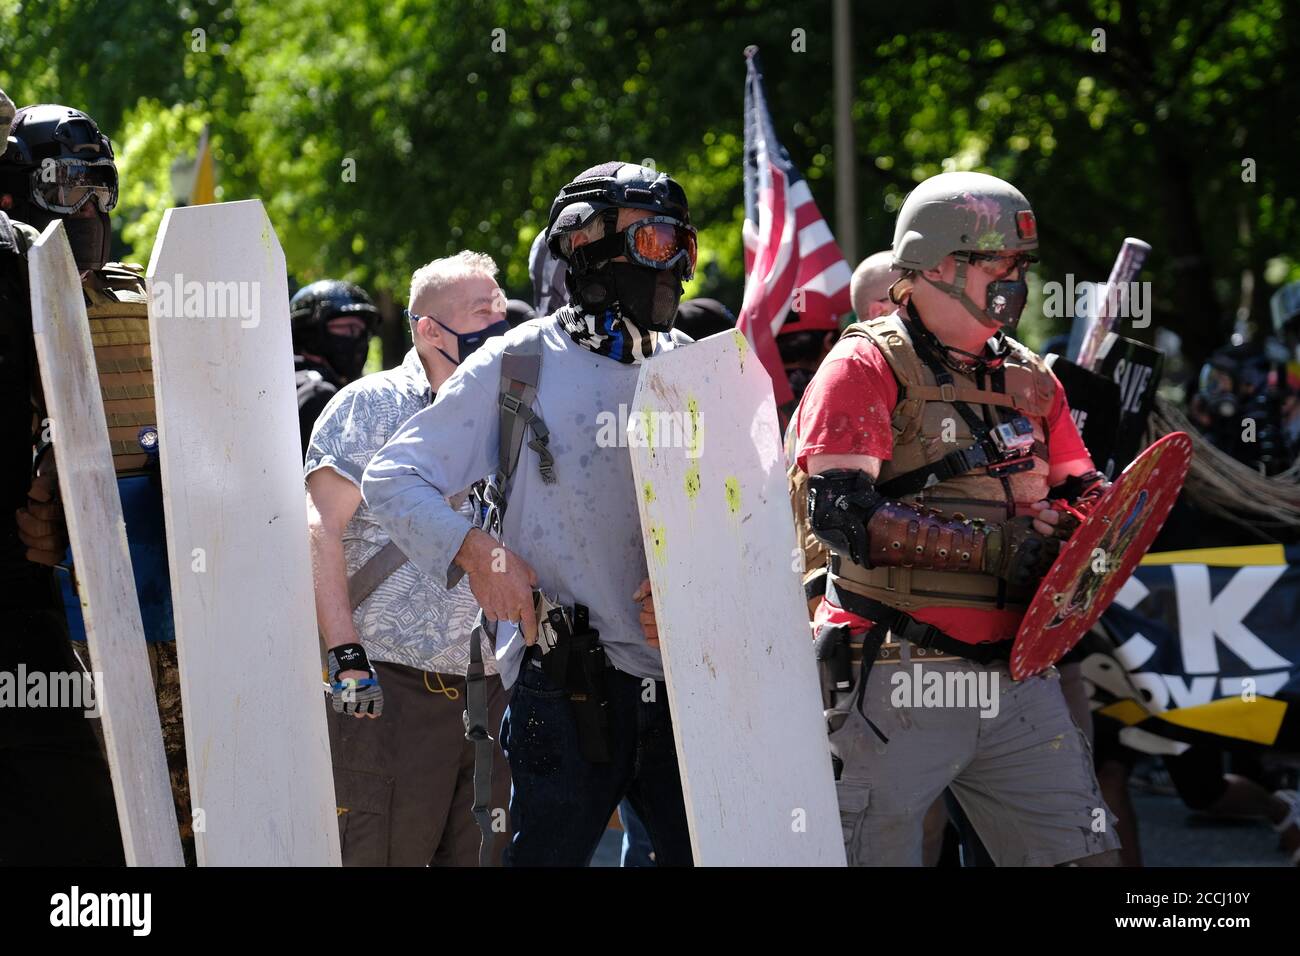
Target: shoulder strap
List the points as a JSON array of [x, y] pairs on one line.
[[890, 337], [362, 583], [521, 369]]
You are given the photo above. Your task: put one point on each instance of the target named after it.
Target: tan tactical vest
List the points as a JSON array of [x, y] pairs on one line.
[[926, 427], [117, 306]]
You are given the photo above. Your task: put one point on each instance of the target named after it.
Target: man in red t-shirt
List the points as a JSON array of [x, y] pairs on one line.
[[931, 441], [844, 419]]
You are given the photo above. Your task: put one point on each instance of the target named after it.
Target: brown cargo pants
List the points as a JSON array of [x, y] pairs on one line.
[[404, 781]]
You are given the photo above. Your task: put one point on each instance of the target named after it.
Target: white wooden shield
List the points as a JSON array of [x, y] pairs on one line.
[[259, 760], [105, 584], [733, 622]]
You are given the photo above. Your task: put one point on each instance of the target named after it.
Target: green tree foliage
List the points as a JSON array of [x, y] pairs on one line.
[[460, 120]]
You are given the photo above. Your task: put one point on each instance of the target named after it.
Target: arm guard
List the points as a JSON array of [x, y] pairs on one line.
[[853, 519]]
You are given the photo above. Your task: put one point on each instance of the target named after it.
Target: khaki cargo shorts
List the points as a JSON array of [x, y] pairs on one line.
[[1008, 749]]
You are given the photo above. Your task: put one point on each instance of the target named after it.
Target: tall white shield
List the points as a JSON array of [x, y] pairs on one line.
[[105, 584], [733, 625], [259, 761]]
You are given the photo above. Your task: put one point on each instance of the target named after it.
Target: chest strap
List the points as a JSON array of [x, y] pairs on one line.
[[983, 453]]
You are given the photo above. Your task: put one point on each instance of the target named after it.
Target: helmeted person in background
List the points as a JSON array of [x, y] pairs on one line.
[[397, 639], [804, 342], [578, 735], [518, 312], [332, 323], [1245, 407], [701, 317], [869, 287], [546, 271], [58, 165], [932, 440]]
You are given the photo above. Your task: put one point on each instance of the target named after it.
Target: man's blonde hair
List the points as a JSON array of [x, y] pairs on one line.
[[440, 273]]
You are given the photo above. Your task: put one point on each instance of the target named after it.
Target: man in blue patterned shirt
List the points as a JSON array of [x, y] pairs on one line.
[[397, 640]]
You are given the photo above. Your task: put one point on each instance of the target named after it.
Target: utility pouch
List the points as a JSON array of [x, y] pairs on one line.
[[587, 691], [834, 666]]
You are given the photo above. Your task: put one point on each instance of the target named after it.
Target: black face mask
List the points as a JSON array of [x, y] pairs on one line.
[[1004, 300], [649, 297], [89, 239], [468, 342], [345, 354]]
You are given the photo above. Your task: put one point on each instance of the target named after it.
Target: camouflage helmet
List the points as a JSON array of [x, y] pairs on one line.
[[961, 212]]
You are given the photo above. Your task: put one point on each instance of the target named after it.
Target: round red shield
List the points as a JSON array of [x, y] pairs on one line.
[[1101, 554]]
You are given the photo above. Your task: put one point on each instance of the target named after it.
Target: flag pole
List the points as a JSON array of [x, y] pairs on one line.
[[846, 200]]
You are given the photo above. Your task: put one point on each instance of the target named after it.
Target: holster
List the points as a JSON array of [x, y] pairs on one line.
[[834, 666], [577, 663]]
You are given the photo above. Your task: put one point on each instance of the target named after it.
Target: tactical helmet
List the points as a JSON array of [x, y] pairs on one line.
[[56, 161], [317, 303], [969, 216], [310, 311], [612, 186], [961, 212], [657, 253]]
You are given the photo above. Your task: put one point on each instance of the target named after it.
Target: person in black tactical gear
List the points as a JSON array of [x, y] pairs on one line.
[[49, 756], [1240, 405], [700, 318], [58, 165], [332, 324]]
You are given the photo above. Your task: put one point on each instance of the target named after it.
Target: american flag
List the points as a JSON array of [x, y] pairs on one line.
[[788, 246]]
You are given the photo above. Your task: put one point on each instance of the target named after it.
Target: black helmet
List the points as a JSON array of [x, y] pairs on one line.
[[609, 186], [317, 303], [310, 310], [659, 250], [57, 161]]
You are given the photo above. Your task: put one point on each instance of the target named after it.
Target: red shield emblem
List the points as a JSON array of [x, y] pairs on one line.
[[1101, 554]]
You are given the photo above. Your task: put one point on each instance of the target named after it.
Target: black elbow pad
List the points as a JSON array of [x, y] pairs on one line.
[[840, 503]]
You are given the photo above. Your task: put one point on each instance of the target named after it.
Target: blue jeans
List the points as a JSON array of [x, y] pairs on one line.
[[560, 804]]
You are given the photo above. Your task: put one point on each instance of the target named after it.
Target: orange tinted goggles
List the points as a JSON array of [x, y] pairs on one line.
[[661, 242]]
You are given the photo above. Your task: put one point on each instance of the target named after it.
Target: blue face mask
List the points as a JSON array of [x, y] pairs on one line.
[[467, 342]]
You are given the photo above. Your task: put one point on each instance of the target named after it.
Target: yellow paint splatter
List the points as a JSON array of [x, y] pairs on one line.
[[732, 487], [648, 492], [693, 436], [693, 482], [742, 344], [651, 424], [659, 541]]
